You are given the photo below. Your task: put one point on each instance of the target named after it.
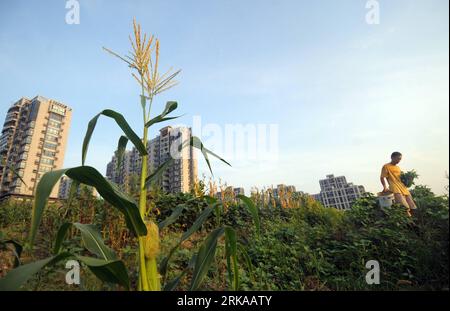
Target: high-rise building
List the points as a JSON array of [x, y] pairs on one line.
[[338, 193], [180, 176], [32, 142]]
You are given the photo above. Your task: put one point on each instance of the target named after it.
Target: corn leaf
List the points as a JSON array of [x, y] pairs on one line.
[[122, 123], [198, 222], [196, 143], [121, 147], [172, 285], [253, 210], [43, 191], [112, 194], [170, 106], [61, 236], [247, 260], [93, 242], [231, 254], [156, 175], [110, 271], [13, 170], [195, 226], [205, 257], [177, 211], [91, 177], [18, 276]]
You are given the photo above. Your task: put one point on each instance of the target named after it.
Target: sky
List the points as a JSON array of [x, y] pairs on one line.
[[343, 93]]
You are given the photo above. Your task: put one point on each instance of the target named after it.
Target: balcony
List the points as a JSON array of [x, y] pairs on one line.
[[10, 121], [14, 109]]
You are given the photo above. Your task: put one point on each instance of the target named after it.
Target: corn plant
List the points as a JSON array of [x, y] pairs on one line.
[[105, 264]]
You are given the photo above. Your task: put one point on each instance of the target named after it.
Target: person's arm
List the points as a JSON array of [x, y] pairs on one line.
[[383, 182], [383, 176]]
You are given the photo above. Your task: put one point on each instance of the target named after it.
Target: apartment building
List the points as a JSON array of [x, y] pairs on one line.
[[32, 142], [178, 177], [338, 193]]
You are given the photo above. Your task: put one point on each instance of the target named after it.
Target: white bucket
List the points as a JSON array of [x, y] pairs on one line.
[[386, 200]]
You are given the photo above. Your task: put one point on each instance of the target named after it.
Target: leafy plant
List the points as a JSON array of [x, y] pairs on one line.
[[407, 178], [144, 62]]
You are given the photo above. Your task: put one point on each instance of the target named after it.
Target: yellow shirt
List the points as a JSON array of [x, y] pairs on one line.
[[392, 174]]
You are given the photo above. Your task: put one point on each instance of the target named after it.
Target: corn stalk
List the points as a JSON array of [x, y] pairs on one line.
[[105, 264]]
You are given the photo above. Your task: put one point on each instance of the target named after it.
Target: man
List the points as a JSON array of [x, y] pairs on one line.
[[392, 172]]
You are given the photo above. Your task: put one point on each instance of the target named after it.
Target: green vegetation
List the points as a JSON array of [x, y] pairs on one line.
[[144, 239], [308, 247], [408, 178], [139, 219]]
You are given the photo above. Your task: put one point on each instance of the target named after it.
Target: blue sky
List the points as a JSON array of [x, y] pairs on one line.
[[345, 94]]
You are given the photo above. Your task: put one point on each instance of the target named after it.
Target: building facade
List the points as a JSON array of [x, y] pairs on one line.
[[33, 142], [338, 193], [180, 176]]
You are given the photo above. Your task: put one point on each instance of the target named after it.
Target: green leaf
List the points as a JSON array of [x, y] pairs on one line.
[[94, 243], [172, 285], [61, 236], [247, 260], [253, 210], [205, 257], [110, 271], [18, 276], [155, 176], [122, 123], [89, 176], [112, 194], [198, 222], [43, 191], [121, 147], [170, 106], [196, 143], [195, 226], [231, 253], [158, 119], [177, 211], [12, 169]]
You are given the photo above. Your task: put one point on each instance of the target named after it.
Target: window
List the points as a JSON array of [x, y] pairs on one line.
[[23, 156], [47, 161], [29, 132], [50, 146], [54, 124], [48, 153], [51, 138], [27, 140], [53, 131], [55, 117], [58, 109], [44, 169]]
